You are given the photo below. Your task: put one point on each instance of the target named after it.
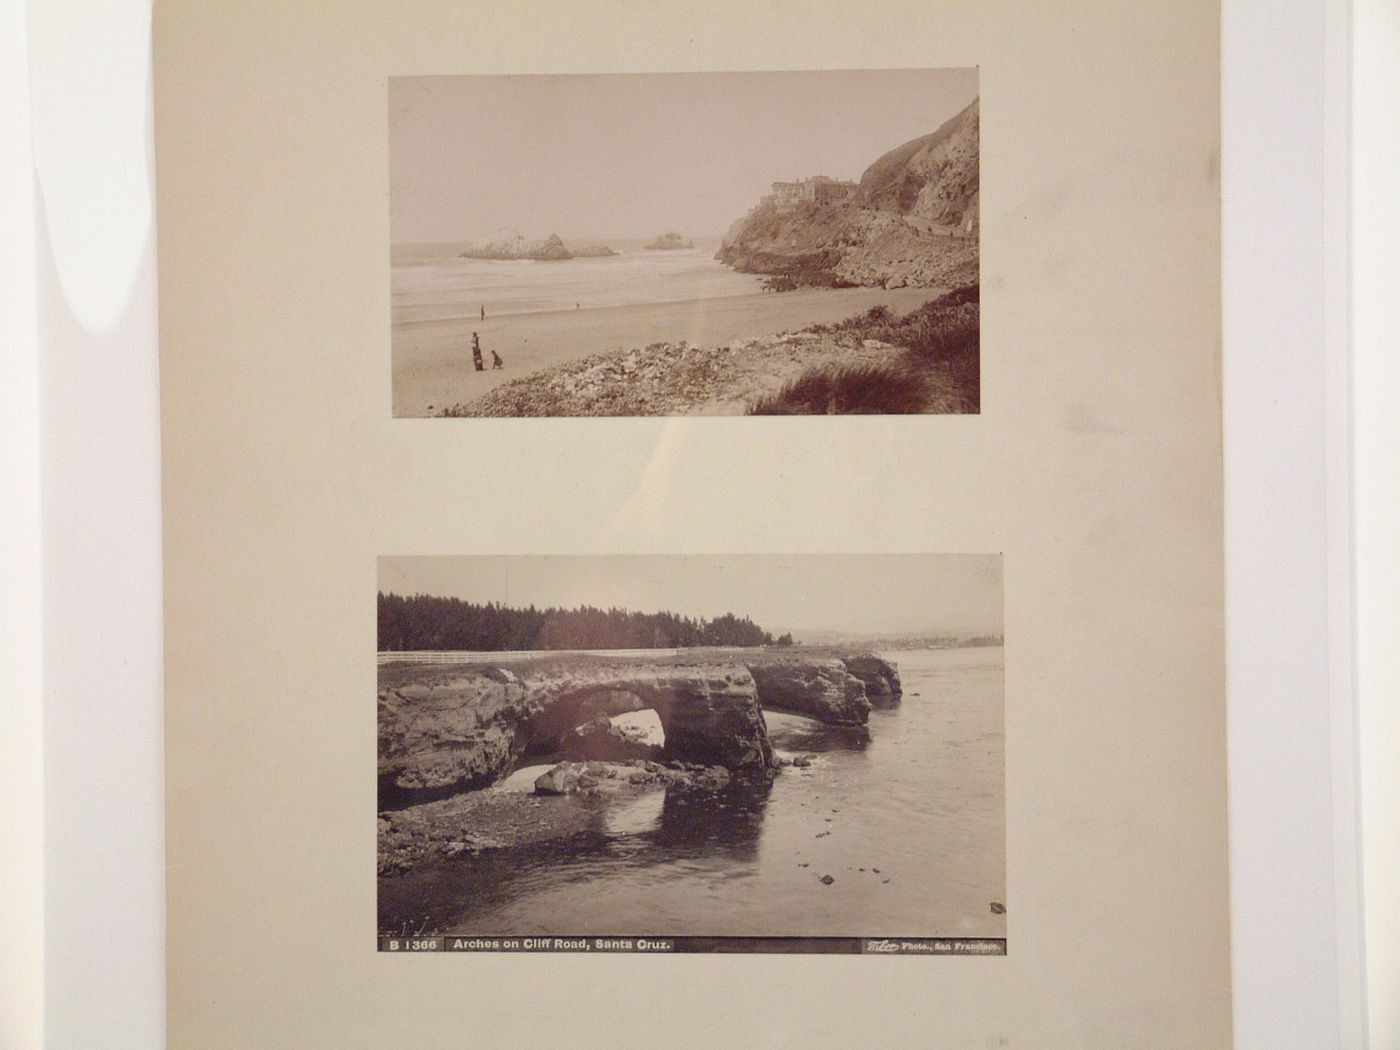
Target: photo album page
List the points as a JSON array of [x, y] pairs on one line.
[[613, 546]]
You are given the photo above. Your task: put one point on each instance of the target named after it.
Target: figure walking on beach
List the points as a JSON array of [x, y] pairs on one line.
[[476, 352], [483, 311], [496, 361]]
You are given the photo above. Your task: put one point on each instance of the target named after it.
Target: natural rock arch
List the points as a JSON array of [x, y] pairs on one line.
[[445, 729], [709, 715]]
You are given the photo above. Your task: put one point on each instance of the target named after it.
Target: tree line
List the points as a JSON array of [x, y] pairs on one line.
[[421, 621]]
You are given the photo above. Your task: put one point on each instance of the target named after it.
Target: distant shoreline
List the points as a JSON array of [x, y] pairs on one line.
[[408, 251]]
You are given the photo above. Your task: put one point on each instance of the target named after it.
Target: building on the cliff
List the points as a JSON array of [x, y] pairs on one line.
[[817, 188]]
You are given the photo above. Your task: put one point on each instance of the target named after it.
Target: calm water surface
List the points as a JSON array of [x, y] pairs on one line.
[[920, 798], [434, 288]]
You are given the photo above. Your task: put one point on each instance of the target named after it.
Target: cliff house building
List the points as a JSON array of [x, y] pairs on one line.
[[817, 188]]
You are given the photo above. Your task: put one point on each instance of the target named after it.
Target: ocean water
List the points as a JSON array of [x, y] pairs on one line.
[[908, 819], [432, 285]]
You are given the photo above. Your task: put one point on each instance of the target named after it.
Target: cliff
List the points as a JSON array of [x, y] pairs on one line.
[[933, 178], [913, 220]]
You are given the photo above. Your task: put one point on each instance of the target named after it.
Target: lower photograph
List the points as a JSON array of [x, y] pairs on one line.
[[692, 753]]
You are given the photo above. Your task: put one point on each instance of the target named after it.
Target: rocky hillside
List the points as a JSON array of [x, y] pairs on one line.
[[912, 221], [934, 178]]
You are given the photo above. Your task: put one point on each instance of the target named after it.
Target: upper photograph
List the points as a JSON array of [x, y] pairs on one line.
[[794, 243]]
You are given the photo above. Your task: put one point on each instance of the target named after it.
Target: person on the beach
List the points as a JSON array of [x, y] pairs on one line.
[[496, 361], [476, 352], [483, 311]]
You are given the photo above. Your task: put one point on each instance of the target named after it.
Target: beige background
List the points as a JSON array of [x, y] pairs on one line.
[[1095, 467]]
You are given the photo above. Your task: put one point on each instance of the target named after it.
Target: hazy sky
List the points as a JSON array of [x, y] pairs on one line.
[[632, 155], [856, 593]]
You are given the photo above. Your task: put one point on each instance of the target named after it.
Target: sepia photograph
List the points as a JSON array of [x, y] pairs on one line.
[[771, 243], [691, 753]]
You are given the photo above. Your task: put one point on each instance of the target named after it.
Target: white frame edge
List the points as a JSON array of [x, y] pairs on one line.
[[1298, 964]]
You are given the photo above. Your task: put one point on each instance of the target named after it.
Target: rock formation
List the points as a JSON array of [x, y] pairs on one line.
[[933, 179], [709, 712], [820, 687], [879, 676], [912, 221], [446, 729], [665, 242], [511, 244]]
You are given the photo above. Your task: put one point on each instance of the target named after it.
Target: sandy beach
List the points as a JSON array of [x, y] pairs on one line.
[[432, 364]]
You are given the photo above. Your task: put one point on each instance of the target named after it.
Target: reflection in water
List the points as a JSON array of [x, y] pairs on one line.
[[659, 828], [726, 821], [906, 819], [635, 816], [794, 733]]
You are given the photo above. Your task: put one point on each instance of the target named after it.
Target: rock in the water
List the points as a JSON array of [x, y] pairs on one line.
[[817, 686], [560, 780], [511, 244], [668, 242], [879, 676], [827, 879]]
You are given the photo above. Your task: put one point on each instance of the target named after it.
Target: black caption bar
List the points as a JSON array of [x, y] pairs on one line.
[[679, 945]]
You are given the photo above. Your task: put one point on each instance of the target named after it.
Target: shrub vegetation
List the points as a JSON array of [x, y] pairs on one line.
[[939, 371]]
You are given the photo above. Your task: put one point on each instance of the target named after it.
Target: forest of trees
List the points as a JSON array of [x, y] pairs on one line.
[[425, 622]]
